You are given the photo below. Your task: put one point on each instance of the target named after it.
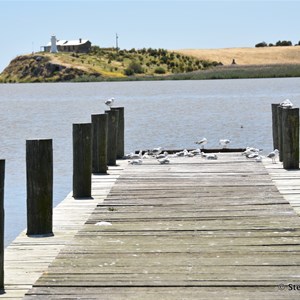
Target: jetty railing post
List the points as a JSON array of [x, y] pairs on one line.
[[82, 160], [280, 138], [39, 175], [2, 176], [121, 132], [290, 138], [99, 143], [275, 125], [113, 120]]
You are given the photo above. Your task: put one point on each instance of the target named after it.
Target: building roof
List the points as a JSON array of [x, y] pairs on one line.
[[69, 43]]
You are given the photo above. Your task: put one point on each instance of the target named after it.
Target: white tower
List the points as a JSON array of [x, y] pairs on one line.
[[53, 44]]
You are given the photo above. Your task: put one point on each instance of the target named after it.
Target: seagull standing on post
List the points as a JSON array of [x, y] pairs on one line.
[[109, 102], [286, 104]]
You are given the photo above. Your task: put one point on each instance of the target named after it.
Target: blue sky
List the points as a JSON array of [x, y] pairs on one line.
[[27, 25]]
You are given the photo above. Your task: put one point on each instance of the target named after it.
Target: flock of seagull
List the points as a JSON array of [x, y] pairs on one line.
[[163, 157]]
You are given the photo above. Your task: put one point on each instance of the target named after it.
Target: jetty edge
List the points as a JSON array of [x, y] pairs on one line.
[[26, 258]]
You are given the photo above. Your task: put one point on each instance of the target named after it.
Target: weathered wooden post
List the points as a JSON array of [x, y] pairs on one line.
[[2, 175], [275, 125], [290, 138], [39, 175], [121, 133], [113, 119], [82, 160], [279, 126], [99, 142]]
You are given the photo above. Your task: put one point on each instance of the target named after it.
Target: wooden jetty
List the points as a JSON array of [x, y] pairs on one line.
[[193, 229], [26, 258]]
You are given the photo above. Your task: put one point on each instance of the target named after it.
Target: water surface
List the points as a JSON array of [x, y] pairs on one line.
[[173, 114]]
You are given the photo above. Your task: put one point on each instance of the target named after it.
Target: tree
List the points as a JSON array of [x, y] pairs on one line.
[[262, 44]]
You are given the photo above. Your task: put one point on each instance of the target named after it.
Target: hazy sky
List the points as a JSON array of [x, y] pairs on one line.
[[25, 26]]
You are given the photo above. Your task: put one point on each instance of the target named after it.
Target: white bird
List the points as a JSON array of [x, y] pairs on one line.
[[258, 158], [109, 102], [137, 156], [286, 104], [251, 152], [253, 155], [162, 155], [211, 156], [146, 155], [133, 155], [224, 142], [180, 153], [196, 151], [164, 161], [202, 142], [136, 162], [156, 151], [273, 155]]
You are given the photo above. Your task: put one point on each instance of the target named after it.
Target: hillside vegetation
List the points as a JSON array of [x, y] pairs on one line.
[[100, 64], [155, 64]]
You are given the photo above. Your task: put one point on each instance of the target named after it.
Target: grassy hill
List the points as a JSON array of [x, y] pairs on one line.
[[155, 64], [100, 64]]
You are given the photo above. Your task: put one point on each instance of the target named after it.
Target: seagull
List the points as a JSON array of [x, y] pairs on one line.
[[181, 153], [273, 155], [211, 156], [162, 155], [164, 161], [251, 152], [196, 151], [286, 104], [137, 156], [109, 102], [258, 158], [136, 162], [133, 155], [146, 155], [224, 142], [202, 142], [156, 151]]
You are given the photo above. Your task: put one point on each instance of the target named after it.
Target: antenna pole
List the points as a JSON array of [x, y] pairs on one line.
[[117, 47]]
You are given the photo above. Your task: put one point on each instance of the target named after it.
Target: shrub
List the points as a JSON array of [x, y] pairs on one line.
[[128, 72], [160, 70], [136, 67], [262, 44], [133, 68]]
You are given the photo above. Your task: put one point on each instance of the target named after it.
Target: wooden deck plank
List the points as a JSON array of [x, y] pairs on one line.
[[26, 258], [194, 229]]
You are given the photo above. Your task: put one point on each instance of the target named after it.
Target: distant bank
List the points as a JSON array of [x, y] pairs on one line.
[[248, 56], [154, 64]]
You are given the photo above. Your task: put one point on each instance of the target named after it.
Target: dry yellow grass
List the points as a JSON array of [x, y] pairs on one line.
[[248, 56]]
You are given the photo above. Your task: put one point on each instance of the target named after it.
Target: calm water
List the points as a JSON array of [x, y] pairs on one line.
[[172, 114]]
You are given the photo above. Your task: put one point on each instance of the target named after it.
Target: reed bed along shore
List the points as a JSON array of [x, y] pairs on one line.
[[227, 72]]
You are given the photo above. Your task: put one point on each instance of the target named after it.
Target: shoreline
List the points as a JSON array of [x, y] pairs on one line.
[[220, 72]]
